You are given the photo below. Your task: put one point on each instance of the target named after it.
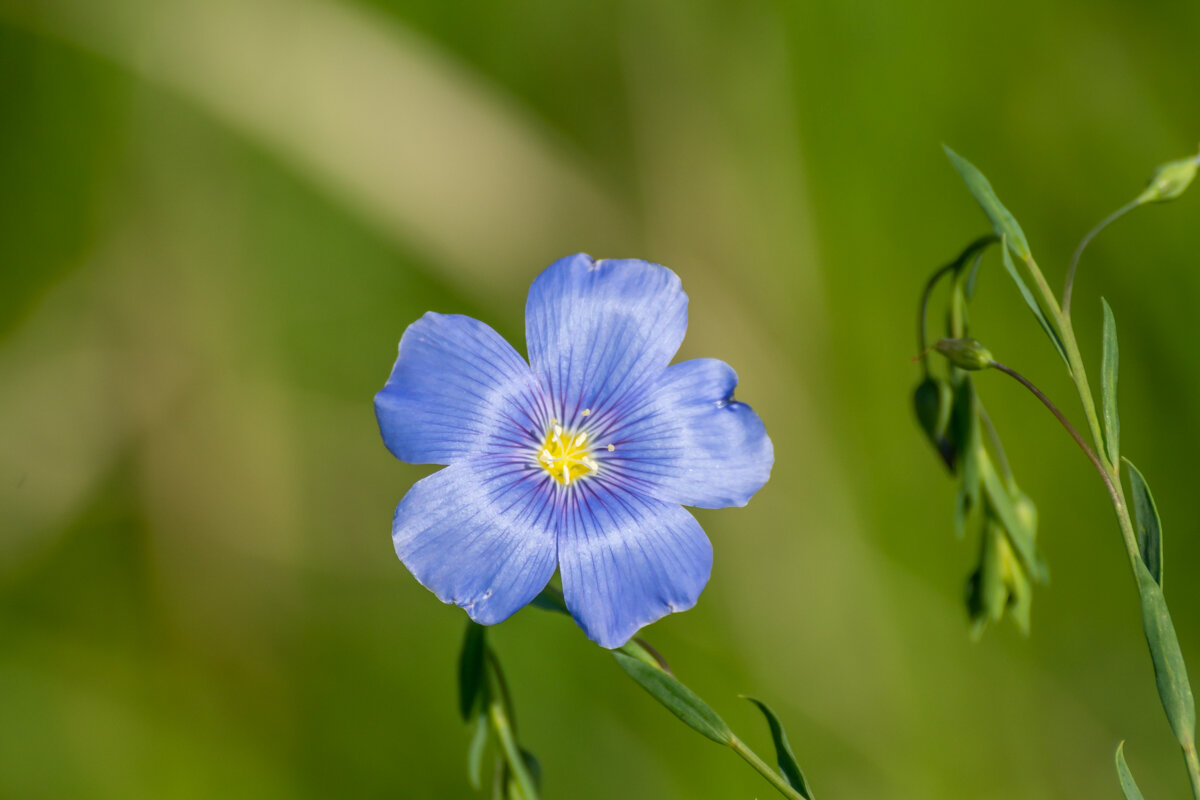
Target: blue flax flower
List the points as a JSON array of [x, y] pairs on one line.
[[579, 459]]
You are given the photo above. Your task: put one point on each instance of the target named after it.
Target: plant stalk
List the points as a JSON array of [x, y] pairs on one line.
[[1109, 472], [764, 769]]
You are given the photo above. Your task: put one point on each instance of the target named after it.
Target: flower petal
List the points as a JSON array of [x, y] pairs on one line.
[[627, 560], [480, 535], [691, 443], [599, 332], [457, 388]]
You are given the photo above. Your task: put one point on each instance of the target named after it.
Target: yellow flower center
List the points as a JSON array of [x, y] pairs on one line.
[[566, 455]]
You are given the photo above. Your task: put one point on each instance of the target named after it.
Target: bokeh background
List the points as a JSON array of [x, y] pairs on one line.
[[218, 216]]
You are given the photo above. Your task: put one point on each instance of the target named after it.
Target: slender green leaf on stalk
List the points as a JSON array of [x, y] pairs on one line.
[[679, 699], [1108, 387], [788, 767], [1128, 785], [471, 669], [1031, 301], [1002, 220], [1170, 673], [1023, 539], [1149, 525], [479, 740]]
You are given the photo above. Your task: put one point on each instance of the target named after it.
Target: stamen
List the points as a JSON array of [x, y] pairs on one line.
[[565, 454]]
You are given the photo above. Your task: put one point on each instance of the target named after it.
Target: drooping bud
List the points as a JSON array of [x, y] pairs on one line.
[[965, 353], [1170, 180]]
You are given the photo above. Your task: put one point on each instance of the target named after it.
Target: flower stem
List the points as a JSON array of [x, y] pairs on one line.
[[1193, 765], [1066, 423], [1109, 472], [974, 248], [764, 769], [1104, 223]]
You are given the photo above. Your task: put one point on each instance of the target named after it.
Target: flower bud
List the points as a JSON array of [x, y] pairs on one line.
[[1170, 180], [965, 353]]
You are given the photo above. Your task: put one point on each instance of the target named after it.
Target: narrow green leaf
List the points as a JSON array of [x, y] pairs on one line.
[[470, 669], [679, 699], [1169, 671], [1002, 220], [1128, 785], [1031, 301], [1149, 526], [1023, 539], [479, 739], [1108, 386], [788, 767]]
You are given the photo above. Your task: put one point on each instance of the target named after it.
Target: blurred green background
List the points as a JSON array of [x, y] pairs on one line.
[[218, 217]]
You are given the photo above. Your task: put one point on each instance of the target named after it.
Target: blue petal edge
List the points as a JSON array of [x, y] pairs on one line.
[[600, 332], [457, 388], [480, 535], [628, 560], [691, 443]]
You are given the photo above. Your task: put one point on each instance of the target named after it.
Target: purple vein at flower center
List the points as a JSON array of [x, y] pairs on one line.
[[567, 455]]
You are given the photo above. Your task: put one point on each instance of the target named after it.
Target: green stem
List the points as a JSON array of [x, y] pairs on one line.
[[1066, 423], [1193, 765], [512, 753], [764, 769], [975, 248], [505, 728], [1104, 223], [1109, 472]]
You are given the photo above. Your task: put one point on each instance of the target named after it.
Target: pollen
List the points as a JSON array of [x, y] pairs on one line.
[[566, 455]]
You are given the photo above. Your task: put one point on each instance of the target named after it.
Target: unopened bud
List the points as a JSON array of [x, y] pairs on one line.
[[1170, 180], [965, 353]]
